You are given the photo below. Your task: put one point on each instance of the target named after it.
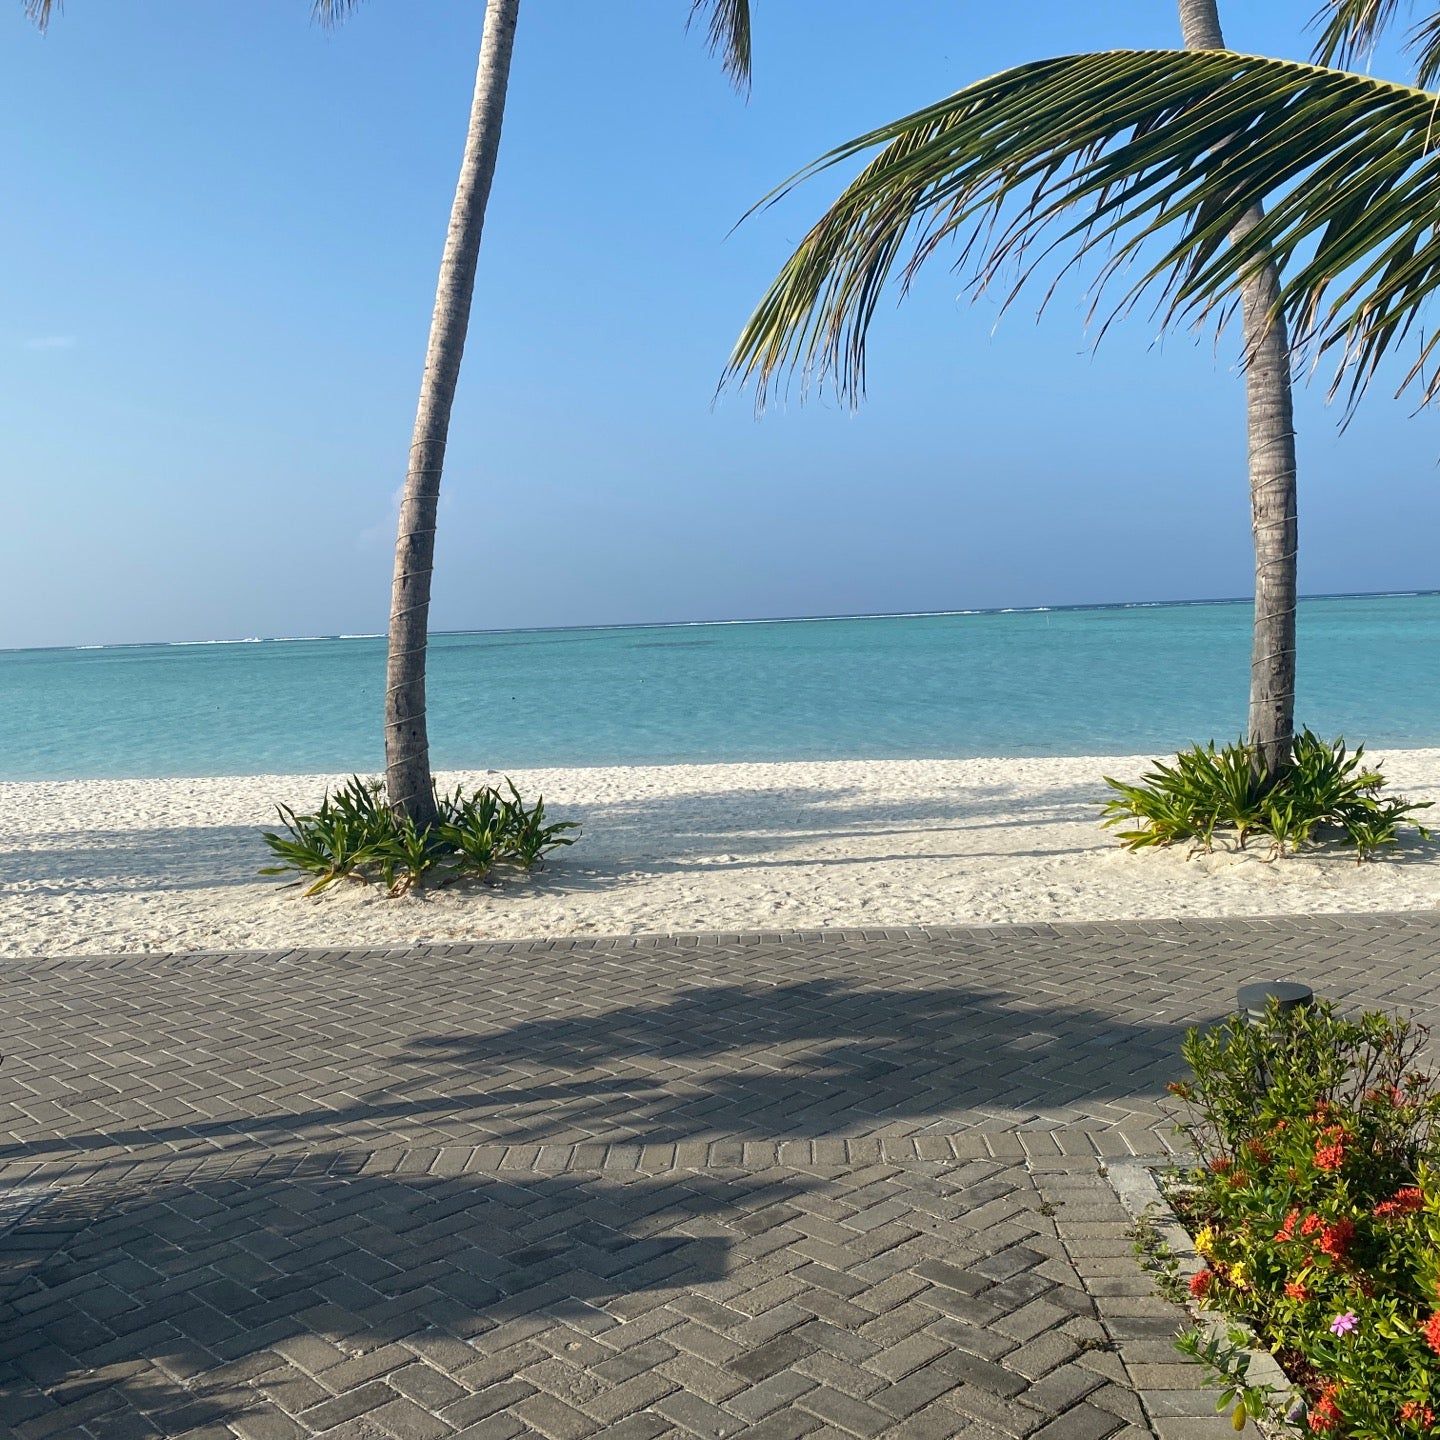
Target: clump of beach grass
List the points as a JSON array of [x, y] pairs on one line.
[[354, 834], [1325, 792]]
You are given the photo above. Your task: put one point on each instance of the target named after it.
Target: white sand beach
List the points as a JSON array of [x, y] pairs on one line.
[[170, 865]]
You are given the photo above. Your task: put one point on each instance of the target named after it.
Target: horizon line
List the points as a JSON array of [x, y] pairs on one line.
[[755, 620]]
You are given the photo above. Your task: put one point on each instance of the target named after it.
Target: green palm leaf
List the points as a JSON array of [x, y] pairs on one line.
[[729, 35], [1351, 29], [1132, 154]]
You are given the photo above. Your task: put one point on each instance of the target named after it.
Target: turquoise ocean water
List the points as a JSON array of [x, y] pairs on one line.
[[1109, 680]]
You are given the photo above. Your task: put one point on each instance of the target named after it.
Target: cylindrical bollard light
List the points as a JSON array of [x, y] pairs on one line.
[[1253, 1001]]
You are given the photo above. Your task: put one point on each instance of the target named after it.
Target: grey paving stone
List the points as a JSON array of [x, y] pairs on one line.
[[829, 1185]]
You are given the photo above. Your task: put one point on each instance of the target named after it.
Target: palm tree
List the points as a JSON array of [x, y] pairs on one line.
[[408, 781], [1274, 501], [409, 786], [1172, 154]]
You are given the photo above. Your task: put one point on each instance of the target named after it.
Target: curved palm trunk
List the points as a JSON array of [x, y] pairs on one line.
[[1272, 476], [407, 748]]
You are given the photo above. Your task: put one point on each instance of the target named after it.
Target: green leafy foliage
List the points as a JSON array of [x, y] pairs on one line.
[[1229, 1361], [1327, 792], [1147, 163], [355, 835], [1316, 1207]]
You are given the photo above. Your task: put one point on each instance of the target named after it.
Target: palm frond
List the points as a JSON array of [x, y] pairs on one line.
[[1131, 153], [1425, 42], [332, 12], [1350, 30], [40, 11], [728, 31]]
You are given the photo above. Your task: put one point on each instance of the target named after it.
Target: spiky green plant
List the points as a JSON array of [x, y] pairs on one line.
[[1326, 790], [355, 835]]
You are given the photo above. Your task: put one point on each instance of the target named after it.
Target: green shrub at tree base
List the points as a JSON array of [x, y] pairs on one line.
[[355, 835], [1327, 792]]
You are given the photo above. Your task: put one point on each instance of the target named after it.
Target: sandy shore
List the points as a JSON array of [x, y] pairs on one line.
[[104, 866]]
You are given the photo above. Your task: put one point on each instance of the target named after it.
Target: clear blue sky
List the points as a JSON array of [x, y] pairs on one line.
[[218, 245]]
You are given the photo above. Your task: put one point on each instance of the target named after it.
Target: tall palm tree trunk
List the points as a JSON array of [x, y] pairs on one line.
[[1273, 498], [408, 783]]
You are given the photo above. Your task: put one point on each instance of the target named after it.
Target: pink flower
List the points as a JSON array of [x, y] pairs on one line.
[[1344, 1324]]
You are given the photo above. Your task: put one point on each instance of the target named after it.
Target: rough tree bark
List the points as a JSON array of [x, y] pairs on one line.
[[408, 783], [1273, 500]]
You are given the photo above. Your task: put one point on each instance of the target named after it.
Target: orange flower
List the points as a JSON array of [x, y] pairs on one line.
[[1335, 1239], [1432, 1332], [1413, 1410], [1296, 1290], [1406, 1201], [1330, 1149], [1287, 1230], [1257, 1152], [1221, 1165], [1200, 1283], [1325, 1413]]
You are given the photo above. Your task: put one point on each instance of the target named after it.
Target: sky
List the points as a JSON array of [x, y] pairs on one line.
[[218, 250]]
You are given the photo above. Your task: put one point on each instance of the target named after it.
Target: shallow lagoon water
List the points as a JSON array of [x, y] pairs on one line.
[[1112, 680]]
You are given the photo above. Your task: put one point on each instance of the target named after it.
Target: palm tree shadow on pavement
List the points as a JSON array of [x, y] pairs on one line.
[[187, 1301], [810, 1059], [813, 1059]]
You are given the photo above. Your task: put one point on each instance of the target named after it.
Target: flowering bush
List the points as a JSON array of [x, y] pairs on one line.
[[1316, 1208]]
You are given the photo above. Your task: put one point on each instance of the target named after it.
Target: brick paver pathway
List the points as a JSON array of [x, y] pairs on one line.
[[787, 1185]]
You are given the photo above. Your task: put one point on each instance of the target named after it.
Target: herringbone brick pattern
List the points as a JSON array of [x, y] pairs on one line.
[[923, 1300], [830, 1185]]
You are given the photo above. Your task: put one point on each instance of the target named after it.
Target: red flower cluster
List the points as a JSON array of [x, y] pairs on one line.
[[1221, 1165], [1335, 1239], [1257, 1152], [1200, 1283], [1332, 1239], [1432, 1332], [1325, 1413], [1330, 1148], [1393, 1096], [1408, 1200], [1296, 1290], [1414, 1410]]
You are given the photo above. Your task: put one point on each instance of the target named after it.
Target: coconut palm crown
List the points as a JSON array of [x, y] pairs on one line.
[[1148, 159]]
